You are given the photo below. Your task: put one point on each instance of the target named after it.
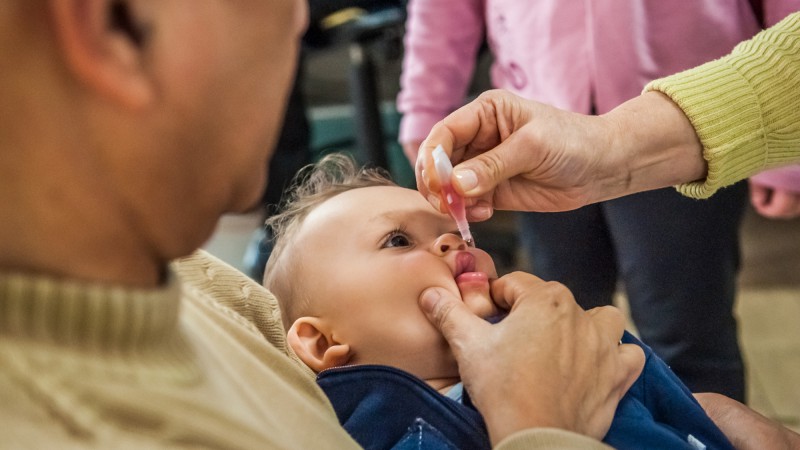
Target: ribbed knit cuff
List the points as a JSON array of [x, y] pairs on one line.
[[744, 107], [724, 111]]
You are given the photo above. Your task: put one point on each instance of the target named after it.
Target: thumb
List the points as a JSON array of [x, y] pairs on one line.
[[451, 317], [481, 174]]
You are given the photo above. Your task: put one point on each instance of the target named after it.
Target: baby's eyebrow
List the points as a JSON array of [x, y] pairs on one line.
[[402, 215]]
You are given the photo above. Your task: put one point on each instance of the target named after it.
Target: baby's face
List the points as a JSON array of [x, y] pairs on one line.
[[367, 256]]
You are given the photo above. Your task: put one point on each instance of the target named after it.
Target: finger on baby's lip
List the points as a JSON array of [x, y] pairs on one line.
[[474, 288]]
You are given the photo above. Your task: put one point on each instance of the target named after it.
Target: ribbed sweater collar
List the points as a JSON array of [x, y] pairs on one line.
[[91, 316]]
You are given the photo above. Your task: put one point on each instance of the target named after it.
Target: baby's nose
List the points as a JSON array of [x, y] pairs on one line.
[[449, 242]]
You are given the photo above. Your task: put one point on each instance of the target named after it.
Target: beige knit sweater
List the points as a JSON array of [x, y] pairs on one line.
[[89, 366]]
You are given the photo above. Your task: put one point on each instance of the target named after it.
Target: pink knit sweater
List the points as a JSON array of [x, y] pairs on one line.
[[572, 54]]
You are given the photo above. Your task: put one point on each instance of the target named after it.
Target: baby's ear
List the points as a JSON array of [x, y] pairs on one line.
[[313, 344]]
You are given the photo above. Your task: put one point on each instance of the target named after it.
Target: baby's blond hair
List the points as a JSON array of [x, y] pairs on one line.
[[313, 185]]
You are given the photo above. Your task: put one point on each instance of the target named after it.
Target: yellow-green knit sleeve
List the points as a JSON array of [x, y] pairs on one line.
[[745, 107]]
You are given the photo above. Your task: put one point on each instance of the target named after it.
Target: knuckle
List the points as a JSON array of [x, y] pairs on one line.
[[611, 311], [492, 164], [492, 95], [557, 290], [517, 275]]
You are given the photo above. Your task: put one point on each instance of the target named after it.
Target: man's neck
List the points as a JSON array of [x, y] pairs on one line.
[[61, 209], [58, 232]]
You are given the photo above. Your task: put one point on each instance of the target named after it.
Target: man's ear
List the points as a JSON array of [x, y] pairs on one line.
[[103, 43], [313, 344]]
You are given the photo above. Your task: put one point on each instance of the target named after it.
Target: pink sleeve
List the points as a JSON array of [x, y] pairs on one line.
[[784, 178], [776, 10], [441, 42]]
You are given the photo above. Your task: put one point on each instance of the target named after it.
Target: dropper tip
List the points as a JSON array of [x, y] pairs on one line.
[[466, 235]]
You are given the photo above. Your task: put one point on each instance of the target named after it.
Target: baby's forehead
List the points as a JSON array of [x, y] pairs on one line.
[[380, 195], [372, 201], [368, 207]]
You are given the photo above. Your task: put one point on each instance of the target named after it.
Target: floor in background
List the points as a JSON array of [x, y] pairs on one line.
[[771, 342], [768, 306], [768, 311]]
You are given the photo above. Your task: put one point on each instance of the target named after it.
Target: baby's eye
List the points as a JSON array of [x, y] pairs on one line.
[[396, 239]]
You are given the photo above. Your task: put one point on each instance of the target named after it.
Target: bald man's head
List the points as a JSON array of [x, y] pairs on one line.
[[140, 119]]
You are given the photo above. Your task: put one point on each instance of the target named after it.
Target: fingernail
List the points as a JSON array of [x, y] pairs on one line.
[[480, 212], [466, 179], [429, 298], [424, 177]]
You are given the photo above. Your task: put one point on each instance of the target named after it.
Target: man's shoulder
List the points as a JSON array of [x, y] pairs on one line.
[[221, 288]]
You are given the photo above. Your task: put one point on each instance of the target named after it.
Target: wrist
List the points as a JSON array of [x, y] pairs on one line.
[[502, 427], [545, 412], [652, 145]]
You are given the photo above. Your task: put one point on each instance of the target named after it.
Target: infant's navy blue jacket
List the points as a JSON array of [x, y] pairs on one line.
[[387, 408]]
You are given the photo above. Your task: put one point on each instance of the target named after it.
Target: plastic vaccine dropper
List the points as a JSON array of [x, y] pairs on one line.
[[455, 203]]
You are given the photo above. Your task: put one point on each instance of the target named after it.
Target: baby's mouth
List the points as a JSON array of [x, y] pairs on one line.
[[465, 270], [473, 285], [465, 262]]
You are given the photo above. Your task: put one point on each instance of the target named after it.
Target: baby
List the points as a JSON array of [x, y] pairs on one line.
[[353, 252]]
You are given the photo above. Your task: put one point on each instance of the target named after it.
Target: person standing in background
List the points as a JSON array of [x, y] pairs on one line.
[[589, 57]]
